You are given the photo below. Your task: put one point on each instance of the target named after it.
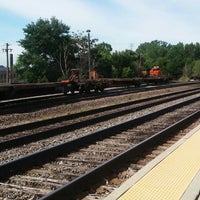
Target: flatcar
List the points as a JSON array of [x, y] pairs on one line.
[[8, 91], [76, 84]]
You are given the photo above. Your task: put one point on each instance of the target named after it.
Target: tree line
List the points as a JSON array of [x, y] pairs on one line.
[[51, 51]]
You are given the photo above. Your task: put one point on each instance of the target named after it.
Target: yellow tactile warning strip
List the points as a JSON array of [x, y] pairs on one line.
[[169, 179]]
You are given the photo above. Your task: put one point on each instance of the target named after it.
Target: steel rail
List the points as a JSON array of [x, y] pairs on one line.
[[61, 98], [85, 181], [97, 174], [33, 101], [40, 157], [9, 130], [56, 131]]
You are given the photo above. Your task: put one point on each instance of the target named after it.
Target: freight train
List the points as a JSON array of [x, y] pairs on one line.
[[76, 84], [97, 83], [9, 91]]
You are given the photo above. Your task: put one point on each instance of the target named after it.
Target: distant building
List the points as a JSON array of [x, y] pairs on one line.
[[2, 68], [3, 72]]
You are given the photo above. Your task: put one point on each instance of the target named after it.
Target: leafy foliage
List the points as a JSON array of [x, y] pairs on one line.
[[125, 63], [51, 51], [196, 69], [101, 57], [176, 60], [48, 46]]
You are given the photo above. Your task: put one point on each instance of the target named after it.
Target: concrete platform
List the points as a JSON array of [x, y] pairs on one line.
[[173, 175]]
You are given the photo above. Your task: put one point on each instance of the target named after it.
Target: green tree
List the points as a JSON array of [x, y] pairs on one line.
[[196, 69], [197, 51], [127, 72], [191, 57], [48, 48], [189, 53], [34, 71], [101, 59], [82, 44], [125, 61], [153, 53], [176, 60]]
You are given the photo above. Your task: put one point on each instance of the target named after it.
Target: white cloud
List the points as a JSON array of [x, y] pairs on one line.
[[78, 14], [119, 22], [165, 17], [71, 10]]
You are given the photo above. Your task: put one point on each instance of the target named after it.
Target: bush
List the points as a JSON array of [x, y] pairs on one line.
[[184, 79]]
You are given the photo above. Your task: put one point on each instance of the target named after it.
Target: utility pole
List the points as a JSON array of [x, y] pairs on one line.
[[7, 61], [89, 62]]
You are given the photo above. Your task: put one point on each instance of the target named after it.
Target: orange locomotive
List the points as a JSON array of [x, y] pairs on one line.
[[153, 72]]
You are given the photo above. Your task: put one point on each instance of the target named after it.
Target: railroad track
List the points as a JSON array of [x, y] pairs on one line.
[[68, 169], [45, 101], [107, 189], [29, 137]]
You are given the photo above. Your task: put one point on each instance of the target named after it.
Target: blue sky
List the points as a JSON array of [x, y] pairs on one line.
[[122, 23]]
